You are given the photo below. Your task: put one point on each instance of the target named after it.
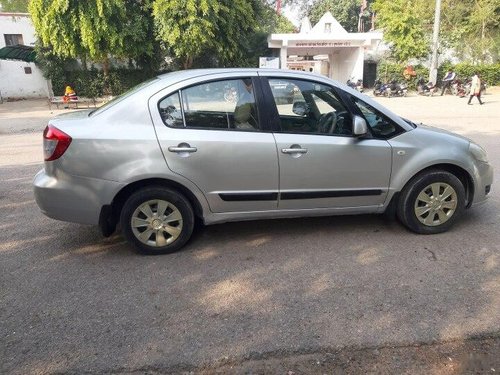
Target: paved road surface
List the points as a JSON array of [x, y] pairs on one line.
[[71, 301]]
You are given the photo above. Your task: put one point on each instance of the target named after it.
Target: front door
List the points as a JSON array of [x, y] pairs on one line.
[[210, 133], [322, 165]]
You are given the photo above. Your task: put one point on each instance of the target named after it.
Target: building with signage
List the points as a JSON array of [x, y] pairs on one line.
[[328, 49], [18, 78]]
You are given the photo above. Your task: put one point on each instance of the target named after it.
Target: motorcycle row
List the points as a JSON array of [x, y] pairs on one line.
[[394, 88], [457, 87], [390, 89]]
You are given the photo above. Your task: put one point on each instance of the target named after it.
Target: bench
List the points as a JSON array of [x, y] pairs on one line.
[[59, 100]]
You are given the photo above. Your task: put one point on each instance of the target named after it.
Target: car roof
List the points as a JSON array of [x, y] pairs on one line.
[[192, 73]]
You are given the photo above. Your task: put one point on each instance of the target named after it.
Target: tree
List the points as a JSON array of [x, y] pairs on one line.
[[190, 27], [140, 43], [482, 31], [14, 6], [344, 11], [406, 26], [471, 28], [283, 25], [95, 29]]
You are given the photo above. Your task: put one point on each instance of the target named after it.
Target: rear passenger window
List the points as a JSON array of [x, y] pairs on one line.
[[228, 104], [170, 111]]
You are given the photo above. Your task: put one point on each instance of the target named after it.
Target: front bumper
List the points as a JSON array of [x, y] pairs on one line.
[[72, 198], [483, 179]]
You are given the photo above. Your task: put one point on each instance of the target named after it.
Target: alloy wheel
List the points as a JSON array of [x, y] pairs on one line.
[[156, 223], [436, 204]]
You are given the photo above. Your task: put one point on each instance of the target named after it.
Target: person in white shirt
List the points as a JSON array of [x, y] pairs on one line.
[[475, 88]]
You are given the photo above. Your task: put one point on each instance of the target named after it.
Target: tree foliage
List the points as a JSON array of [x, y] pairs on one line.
[[95, 29], [472, 28], [406, 26], [14, 6], [344, 11], [190, 27]]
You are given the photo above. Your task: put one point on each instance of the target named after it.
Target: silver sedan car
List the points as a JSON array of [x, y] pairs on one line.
[[222, 145]]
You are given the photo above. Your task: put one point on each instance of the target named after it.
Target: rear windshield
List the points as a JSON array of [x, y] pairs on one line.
[[125, 95]]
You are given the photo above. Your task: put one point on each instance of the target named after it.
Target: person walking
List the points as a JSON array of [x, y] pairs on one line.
[[447, 80], [475, 88]]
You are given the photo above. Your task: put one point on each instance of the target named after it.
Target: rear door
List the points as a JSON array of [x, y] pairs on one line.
[[211, 133]]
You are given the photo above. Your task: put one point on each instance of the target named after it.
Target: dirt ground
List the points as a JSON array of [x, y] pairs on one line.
[[474, 356]]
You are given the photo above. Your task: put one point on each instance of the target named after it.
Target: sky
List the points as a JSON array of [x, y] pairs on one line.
[[292, 14]]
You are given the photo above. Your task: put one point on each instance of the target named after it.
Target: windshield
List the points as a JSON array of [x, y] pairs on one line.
[[119, 98], [409, 122]]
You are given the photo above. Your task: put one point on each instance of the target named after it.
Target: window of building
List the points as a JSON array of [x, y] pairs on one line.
[[27, 70], [13, 39], [328, 28]]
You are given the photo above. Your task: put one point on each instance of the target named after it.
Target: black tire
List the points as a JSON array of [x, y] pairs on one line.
[[408, 200], [177, 202]]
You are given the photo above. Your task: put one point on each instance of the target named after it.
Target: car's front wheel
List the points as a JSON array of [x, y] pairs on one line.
[[431, 202], [157, 220]]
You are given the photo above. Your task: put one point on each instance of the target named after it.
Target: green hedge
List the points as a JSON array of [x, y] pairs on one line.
[[390, 71], [92, 83], [489, 73]]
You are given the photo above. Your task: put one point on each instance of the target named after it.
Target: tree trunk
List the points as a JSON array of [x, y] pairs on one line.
[[105, 66], [84, 63], [105, 71], [188, 62]]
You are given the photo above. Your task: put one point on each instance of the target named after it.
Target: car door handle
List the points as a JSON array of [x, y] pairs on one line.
[[294, 150], [182, 149]]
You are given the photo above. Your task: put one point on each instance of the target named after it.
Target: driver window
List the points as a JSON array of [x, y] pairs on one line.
[[309, 107]]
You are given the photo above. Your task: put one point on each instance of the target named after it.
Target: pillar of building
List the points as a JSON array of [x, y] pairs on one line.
[[357, 71], [330, 65], [283, 54]]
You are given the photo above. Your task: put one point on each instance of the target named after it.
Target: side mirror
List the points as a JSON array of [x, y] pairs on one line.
[[300, 108], [359, 126]]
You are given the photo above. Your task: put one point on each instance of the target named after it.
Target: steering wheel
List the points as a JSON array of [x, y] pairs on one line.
[[327, 122]]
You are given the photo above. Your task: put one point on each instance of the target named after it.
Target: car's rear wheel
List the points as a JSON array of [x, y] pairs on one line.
[[431, 202], [157, 220]]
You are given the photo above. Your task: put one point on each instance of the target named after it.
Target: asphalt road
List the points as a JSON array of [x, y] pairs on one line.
[[71, 301]]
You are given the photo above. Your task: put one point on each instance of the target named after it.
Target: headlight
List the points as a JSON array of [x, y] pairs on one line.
[[478, 152]]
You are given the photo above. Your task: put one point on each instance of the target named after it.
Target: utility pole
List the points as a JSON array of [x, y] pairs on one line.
[[435, 44]]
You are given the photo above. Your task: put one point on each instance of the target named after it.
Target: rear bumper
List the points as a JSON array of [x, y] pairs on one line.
[[72, 198]]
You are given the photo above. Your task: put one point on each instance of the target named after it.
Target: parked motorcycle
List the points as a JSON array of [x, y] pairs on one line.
[[458, 88], [427, 89], [380, 89], [358, 85], [397, 89]]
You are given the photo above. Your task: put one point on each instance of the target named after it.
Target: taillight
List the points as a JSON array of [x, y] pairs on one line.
[[55, 143]]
